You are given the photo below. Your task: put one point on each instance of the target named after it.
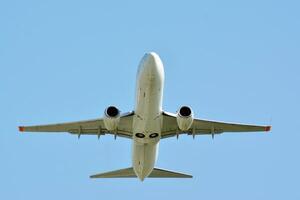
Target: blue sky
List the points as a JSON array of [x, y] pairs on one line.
[[229, 60]]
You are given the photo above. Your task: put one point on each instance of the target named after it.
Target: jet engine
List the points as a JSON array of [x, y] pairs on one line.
[[185, 117], [111, 118]]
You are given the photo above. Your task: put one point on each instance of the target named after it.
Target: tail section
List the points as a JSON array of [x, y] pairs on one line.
[[162, 173], [129, 173], [121, 173]]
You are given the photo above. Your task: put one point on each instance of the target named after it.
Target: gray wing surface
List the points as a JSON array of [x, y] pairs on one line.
[[87, 127], [205, 127]]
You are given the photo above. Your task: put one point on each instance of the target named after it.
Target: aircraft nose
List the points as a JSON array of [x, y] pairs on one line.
[[153, 63], [151, 57], [151, 67]]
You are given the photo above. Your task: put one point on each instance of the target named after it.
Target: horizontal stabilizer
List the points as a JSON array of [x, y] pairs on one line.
[[121, 173], [129, 173], [162, 173]]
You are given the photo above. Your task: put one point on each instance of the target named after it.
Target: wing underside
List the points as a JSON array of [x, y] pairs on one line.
[[169, 127], [205, 127], [87, 127]]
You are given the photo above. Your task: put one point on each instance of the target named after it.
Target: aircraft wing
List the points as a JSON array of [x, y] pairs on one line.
[[205, 127], [88, 127]]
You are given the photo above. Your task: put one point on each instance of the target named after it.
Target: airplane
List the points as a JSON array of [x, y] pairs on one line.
[[146, 125]]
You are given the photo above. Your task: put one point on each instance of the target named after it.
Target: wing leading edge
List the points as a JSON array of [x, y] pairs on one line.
[[87, 127], [205, 127]]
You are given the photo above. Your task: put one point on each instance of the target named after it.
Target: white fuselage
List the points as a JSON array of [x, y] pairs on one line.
[[148, 114]]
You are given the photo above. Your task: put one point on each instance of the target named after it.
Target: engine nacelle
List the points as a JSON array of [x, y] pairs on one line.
[[111, 118], [185, 117]]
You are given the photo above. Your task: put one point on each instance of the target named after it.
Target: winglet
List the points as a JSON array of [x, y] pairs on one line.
[[268, 128], [21, 128]]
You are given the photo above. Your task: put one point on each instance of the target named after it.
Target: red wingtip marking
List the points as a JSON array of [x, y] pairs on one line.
[[268, 128], [21, 128]]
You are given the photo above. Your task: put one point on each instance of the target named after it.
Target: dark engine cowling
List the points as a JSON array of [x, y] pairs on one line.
[[185, 117], [111, 118]]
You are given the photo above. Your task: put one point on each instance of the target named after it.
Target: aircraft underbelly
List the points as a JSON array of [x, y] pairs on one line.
[[144, 158], [147, 119]]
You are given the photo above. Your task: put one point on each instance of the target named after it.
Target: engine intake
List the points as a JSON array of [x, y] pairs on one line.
[[185, 118], [112, 111], [111, 118], [185, 111]]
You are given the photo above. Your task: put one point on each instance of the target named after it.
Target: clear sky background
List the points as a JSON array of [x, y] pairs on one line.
[[229, 60]]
